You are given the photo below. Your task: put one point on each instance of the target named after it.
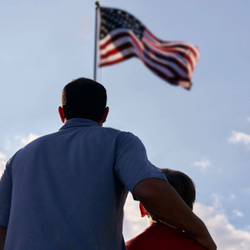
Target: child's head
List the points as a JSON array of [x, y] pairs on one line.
[[182, 184]]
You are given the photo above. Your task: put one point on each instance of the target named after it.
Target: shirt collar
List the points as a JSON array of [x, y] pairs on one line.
[[78, 122]]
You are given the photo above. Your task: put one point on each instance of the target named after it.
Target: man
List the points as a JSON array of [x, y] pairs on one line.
[[67, 190], [159, 235]]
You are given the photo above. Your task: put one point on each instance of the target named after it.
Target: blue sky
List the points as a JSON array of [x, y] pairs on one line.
[[204, 132]]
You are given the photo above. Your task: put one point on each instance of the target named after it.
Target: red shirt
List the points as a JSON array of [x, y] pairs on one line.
[[162, 237]]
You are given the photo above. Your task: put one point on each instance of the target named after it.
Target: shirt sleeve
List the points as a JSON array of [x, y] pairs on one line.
[[5, 195], [131, 163]]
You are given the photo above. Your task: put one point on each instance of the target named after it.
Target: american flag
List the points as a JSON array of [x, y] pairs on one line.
[[122, 36]]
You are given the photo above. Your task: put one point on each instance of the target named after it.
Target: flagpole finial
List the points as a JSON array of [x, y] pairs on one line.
[[97, 4]]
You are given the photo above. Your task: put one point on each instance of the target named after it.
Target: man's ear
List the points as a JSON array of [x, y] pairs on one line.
[[105, 114], [142, 209], [61, 113]]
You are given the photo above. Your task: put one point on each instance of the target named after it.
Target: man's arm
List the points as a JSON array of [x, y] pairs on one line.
[[3, 231], [164, 203]]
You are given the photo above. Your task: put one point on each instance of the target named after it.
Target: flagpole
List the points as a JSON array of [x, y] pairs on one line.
[[96, 38]]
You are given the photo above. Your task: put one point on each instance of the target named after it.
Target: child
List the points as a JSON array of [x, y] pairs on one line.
[[160, 236]]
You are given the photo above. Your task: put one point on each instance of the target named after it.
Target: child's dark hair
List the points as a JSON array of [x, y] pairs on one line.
[[182, 184]]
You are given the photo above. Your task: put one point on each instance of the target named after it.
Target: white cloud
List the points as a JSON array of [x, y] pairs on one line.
[[11, 146], [31, 137], [2, 163], [2, 166], [203, 164], [133, 223], [2, 156], [17, 142], [226, 236], [238, 137], [238, 213]]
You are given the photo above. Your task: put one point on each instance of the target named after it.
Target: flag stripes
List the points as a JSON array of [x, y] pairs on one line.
[[172, 61]]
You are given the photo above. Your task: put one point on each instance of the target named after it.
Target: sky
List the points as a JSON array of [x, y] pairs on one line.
[[204, 132]]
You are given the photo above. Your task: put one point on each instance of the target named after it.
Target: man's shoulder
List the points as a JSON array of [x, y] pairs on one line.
[[39, 139], [121, 135], [34, 142]]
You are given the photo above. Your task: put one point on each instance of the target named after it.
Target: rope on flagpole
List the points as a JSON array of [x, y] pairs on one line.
[[96, 37]]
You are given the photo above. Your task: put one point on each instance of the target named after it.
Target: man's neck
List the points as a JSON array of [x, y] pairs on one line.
[[100, 124]]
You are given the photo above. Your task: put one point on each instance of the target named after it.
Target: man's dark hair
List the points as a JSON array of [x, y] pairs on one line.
[[84, 98]]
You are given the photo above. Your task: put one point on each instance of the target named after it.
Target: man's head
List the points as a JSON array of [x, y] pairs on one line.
[[182, 184], [84, 98]]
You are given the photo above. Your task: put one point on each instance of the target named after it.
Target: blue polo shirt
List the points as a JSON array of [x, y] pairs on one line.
[[67, 190]]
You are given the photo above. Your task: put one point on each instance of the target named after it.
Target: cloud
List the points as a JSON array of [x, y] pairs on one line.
[[2, 156], [203, 164], [226, 236], [31, 137], [2, 163], [133, 223], [238, 137], [238, 213], [17, 142], [12, 145]]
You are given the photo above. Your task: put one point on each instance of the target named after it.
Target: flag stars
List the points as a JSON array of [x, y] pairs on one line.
[[113, 19]]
